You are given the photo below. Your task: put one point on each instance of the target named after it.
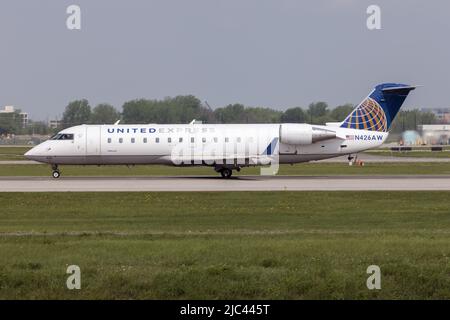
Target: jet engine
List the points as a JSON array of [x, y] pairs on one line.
[[303, 134]]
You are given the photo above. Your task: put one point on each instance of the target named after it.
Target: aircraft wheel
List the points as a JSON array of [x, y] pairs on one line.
[[226, 173], [56, 174]]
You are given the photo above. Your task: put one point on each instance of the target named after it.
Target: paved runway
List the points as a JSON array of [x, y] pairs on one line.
[[214, 183]]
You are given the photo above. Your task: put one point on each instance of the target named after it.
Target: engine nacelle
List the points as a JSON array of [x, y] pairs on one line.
[[303, 134]]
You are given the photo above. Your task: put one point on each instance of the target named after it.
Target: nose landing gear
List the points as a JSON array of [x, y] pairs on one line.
[[55, 174]]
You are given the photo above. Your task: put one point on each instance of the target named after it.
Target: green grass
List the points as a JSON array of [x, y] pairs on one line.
[[303, 169], [250, 245], [13, 153], [413, 154]]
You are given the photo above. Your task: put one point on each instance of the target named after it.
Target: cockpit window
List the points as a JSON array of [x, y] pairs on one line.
[[62, 136]]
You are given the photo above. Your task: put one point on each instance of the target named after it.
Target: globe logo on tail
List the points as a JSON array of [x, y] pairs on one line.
[[367, 116]]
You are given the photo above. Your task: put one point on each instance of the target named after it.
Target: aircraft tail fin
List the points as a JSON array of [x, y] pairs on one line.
[[378, 110]]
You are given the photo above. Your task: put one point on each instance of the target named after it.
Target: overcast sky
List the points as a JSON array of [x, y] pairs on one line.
[[277, 53]]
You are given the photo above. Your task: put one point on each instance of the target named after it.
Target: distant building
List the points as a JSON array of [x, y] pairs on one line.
[[7, 109], [24, 119], [435, 133], [54, 124], [10, 110], [442, 114]]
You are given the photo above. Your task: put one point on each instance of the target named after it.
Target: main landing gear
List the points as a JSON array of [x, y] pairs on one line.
[[55, 174], [226, 173]]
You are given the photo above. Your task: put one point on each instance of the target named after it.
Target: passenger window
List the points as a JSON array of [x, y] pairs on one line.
[[133, 140], [203, 140], [192, 140], [169, 140], [157, 140], [109, 140], [120, 140], [180, 140], [227, 139], [145, 140], [238, 139], [215, 139]]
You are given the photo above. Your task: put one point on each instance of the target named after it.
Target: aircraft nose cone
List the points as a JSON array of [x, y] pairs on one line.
[[38, 153], [30, 153]]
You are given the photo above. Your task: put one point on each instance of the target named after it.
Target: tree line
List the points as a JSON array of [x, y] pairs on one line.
[[183, 109]]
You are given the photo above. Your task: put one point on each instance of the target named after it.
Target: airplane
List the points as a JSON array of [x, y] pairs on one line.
[[226, 147]]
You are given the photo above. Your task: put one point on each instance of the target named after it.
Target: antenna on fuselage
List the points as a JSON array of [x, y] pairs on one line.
[[117, 122]]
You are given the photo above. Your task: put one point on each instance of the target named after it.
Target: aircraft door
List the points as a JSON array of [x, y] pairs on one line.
[[92, 140]]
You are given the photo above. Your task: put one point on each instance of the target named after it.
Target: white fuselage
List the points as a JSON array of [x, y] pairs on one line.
[[235, 145]]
